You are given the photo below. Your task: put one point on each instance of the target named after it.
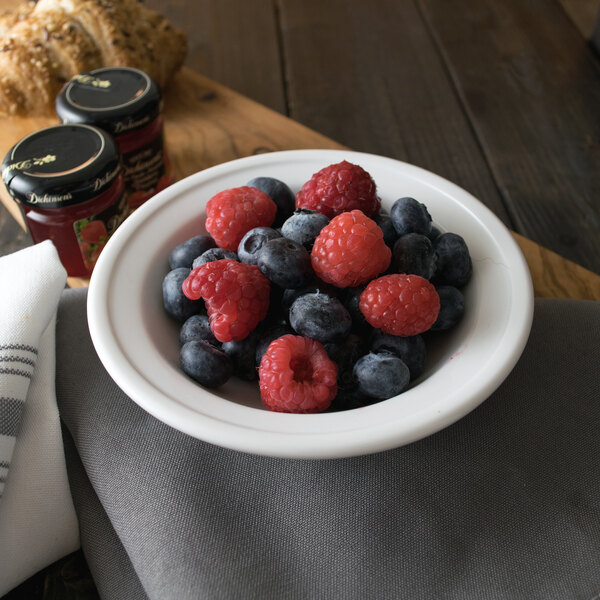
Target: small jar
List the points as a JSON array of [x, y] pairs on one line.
[[127, 103], [68, 181]]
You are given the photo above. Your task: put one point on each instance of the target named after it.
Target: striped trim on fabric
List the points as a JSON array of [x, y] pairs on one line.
[[10, 415], [23, 347], [19, 372], [19, 359]]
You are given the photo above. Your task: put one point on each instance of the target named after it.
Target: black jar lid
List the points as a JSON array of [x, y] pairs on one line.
[[117, 99], [61, 166]]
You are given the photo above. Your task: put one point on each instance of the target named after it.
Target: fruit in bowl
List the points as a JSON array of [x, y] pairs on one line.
[[451, 370], [328, 252]]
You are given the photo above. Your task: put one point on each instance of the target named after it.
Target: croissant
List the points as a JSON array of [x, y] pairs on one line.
[[46, 44]]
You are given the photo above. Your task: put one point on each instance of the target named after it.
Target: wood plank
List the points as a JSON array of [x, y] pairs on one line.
[[233, 42], [369, 75], [531, 87], [211, 124]]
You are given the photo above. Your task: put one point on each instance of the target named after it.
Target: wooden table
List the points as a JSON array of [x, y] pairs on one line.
[[501, 97]]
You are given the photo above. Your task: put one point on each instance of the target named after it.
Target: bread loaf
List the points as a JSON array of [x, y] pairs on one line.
[[46, 44]]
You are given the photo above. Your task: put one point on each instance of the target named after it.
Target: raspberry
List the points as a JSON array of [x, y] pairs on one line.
[[297, 376], [230, 214], [339, 188], [350, 250], [402, 305], [236, 296]]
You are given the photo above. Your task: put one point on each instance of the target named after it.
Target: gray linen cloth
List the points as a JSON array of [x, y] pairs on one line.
[[504, 504]]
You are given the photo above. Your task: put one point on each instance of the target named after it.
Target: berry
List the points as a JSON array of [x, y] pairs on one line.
[[205, 363], [454, 266], [351, 300], [350, 250], [297, 376], [339, 188], [400, 304], [253, 241], [286, 263], [213, 254], [236, 296], [184, 254], [411, 350], [317, 286], [349, 399], [267, 333], [410, 216], [280, 193], [304, 226], [231, 213], [387, 227], [452, 307], [197, 327], [243, 356], [413, 254], [320, 317], [382, 375], [345, 354], [435, 232], [174, 300]]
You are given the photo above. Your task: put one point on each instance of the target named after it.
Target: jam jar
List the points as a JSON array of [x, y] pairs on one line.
[[127, 103], [68, 181]]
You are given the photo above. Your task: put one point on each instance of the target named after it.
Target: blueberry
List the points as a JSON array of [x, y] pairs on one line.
[[452, 307], [349, 398], [285, 263], [454, 265], [382, 375], [214, 254], [175, 302], [197, 328], [253, 241], [351, 300], [435, 232], [184, 254], [268, 333], [243, 356], [280, 193], [304, 226], [316, 286], [411, 350], [413, 254], [320, 317], [410, 216], [345, 354], [205, 363], [387, 227]]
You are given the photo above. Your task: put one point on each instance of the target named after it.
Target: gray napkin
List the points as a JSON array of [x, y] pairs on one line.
[[504, 504]]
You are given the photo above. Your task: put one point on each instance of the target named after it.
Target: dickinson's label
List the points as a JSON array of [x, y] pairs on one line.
[[143, 170]]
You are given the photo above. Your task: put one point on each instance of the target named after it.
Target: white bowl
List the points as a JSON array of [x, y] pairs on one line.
[[138, 343]]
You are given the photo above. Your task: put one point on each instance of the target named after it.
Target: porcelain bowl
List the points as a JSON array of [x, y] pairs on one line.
[[137, 341]]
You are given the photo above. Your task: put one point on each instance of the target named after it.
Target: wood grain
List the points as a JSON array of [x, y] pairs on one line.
[[207, 124], [377, 84], [233, 42], [531, 88]]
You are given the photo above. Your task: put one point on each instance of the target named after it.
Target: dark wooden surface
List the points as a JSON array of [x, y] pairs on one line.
[[500, 96]]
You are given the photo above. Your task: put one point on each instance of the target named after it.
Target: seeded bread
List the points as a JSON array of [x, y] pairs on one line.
[[42, 49]]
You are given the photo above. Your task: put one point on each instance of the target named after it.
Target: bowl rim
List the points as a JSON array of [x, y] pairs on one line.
[[318, 444]]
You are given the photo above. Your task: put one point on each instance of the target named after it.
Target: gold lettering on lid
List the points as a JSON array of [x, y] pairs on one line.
[[25, 165], [90, 80]]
